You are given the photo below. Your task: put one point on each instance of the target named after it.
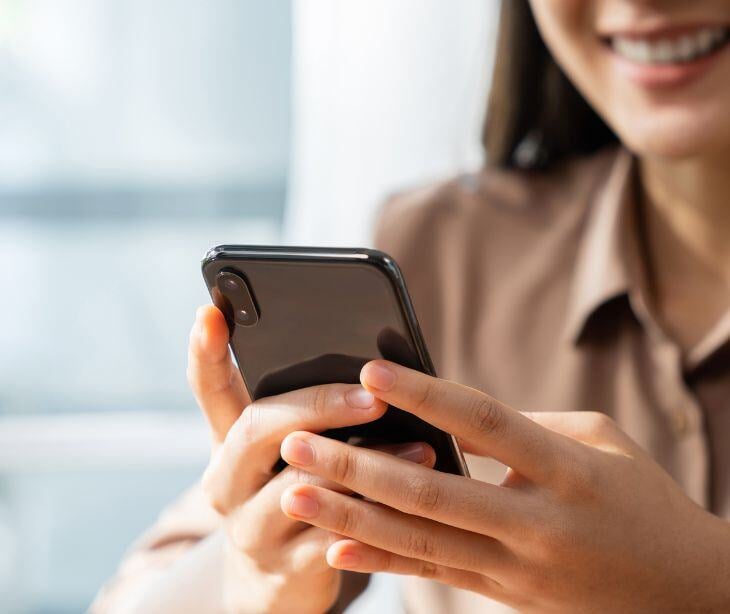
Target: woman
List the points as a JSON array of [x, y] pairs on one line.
[[583, 278]]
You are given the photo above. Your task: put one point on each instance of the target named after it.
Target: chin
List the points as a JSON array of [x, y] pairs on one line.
[[675, 135]]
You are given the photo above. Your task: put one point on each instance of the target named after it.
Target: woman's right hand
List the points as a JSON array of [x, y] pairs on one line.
[[271, 563]]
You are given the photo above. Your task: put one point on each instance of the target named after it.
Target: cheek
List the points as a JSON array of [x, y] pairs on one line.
[[690, 120]]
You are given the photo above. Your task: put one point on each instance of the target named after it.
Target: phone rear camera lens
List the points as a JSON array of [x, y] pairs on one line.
[[243, 316], [231, 284]]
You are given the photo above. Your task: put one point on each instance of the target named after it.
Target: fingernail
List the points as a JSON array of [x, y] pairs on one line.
[[302, 506], [415, 452], [378, 376], [359, 398], [297, 451], [348, 560]]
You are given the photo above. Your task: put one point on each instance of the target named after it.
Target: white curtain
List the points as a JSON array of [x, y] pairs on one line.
[[386, 95]]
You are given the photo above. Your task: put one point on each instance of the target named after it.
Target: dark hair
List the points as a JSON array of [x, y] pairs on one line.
[[535, 116]]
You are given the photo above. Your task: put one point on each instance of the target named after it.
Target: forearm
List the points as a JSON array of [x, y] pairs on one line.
[[196, 582], [191, 583]]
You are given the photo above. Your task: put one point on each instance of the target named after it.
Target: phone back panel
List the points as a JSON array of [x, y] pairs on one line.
[[321, 316]]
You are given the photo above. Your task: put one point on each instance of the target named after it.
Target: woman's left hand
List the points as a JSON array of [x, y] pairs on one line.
[[584, 521]]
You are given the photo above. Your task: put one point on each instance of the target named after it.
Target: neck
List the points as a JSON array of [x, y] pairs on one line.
[[690, 199], [687, 228]]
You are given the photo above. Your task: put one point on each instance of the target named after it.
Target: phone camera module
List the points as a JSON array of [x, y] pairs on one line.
[[240, 307]]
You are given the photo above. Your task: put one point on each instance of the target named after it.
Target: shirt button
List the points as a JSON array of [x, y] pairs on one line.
[[680, 422]]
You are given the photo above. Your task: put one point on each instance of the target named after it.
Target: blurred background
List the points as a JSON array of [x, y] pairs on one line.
[[136, 134]]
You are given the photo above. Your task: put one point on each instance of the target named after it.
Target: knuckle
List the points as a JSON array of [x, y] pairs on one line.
[[419, 545], [429, 570], [548, 540], [424, 495], [599, 423], [303, 558], [294, 475], [553, 546], [218, 505], [344, 466], [427, 395], [582, 481], [486, 416], [320, 400], [248, 427], [213, 493], [535, 580], [347, 521]]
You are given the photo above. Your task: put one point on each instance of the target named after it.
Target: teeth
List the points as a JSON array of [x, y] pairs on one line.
[[667, 50], [685, 48], [662, 52]]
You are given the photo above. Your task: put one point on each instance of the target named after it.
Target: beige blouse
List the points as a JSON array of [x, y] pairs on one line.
[[530, 286]]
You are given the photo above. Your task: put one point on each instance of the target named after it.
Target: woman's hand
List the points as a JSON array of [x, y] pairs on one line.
[[271, 563], [584, 520]]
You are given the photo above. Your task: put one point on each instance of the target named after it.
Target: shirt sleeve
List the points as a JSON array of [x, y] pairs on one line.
[[180, 527]]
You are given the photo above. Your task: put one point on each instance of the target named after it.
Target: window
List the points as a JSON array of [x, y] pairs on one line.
[[133, 136]]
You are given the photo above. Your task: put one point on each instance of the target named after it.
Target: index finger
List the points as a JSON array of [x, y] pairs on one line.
[[410, 488], [490, 427]]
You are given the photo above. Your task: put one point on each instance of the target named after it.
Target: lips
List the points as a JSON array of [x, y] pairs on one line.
[[671, 49], [667, 57]]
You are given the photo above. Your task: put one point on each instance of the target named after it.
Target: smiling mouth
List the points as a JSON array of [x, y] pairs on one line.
[[678, 48]]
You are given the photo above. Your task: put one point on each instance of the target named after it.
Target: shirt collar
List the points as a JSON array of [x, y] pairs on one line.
[[717, 338], [610, 263], [609, 239]]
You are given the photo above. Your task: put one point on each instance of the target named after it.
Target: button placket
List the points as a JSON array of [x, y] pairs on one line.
[[685, 419]]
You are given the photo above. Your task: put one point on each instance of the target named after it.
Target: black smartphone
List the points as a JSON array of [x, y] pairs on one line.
[[304, 316]]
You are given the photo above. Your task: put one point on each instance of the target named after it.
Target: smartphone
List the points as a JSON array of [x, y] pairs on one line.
[[304, 316]]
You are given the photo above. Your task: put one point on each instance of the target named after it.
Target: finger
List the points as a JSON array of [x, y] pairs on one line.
[[276, 524], [264, 526], [251, 447], [419, 453], [241, 468], [491, 427], [216, 382], [391, 530], [351, 555], [259, 525], [450, 499], [307, 552]]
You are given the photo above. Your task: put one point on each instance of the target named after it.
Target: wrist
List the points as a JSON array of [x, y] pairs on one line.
[[191, 584], [251, 587]]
